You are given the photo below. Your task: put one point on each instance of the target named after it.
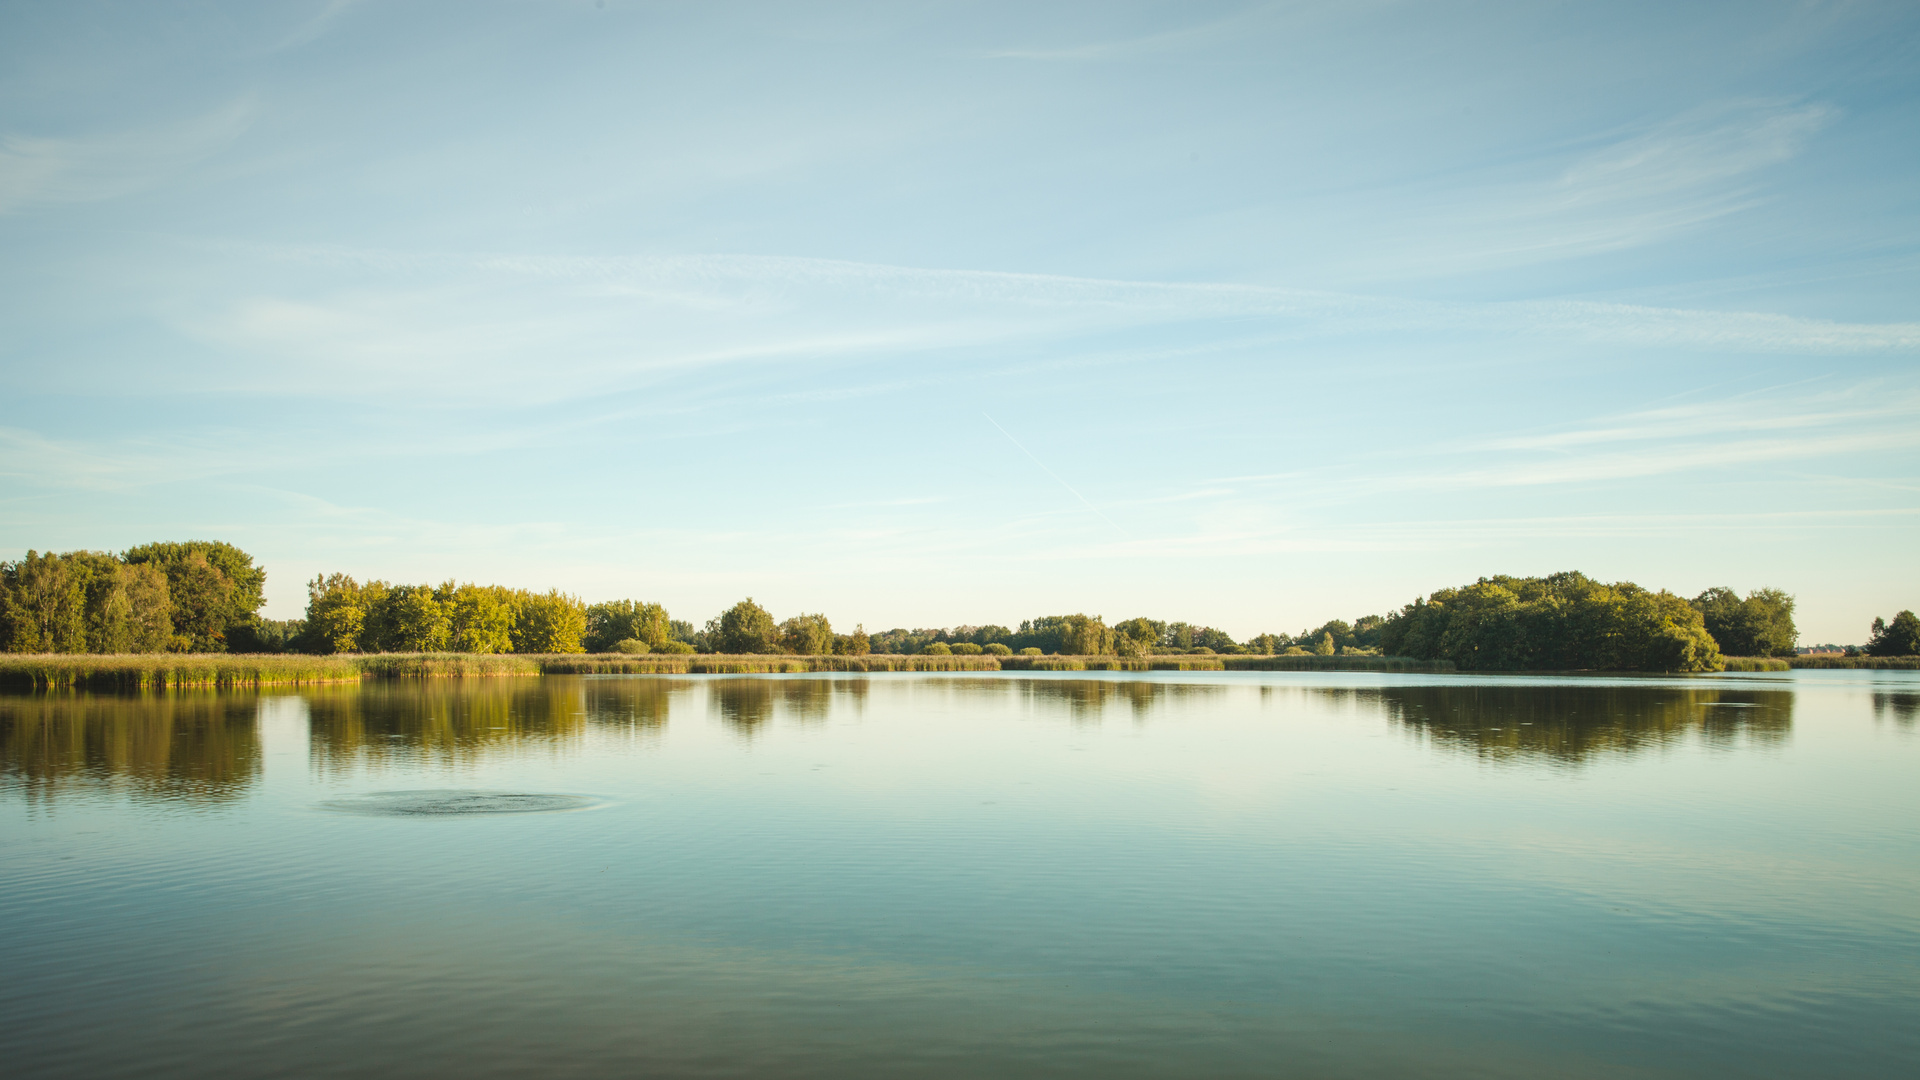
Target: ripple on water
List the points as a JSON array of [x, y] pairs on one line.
[[444, 803]]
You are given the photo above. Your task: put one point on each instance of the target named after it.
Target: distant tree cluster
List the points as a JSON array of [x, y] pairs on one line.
[[1901, 637], [193, 596], [1564, 621], [1760, 625], [344, 615]]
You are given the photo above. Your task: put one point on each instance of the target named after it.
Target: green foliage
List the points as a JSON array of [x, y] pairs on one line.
[[937, 648], [675, 648], [1562, 622], [1138, 636], [1030, 651], [83, 601], [996, 649], [1760, 625], [1325, 646], [1073, 635], [409, 619], [615, 620], [631, 647], [1898, 638], [859, 644], [479, 617], [746, 627], [966, 648], [1267, 644], [336, 613], [213, 586], [549, 622], [807, 635]]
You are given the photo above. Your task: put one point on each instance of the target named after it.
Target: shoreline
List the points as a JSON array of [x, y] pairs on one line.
[[162, 671]]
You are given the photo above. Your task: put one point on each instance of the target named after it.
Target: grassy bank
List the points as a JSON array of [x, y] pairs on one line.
[[738, 664], [162, 671], [1893, 663]]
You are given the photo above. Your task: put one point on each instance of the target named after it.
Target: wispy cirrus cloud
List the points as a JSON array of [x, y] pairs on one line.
[[44, 171]]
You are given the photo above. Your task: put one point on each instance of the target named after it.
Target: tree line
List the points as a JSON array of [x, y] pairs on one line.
[[191, 596], [204, 596]]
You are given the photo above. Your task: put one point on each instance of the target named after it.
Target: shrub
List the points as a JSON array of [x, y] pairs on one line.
[[676, 647], [631, 646], [1203, 651], [938, 648], [1030, 651], [997, 649], [966, 648]]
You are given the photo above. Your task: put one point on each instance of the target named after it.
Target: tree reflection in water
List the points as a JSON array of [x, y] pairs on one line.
[[462, 719], [1901, 708], [184, 745], [746, 704], [1087, 700], [1572, 723]]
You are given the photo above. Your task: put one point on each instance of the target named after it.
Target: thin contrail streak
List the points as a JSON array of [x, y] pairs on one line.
[[1056, 476]]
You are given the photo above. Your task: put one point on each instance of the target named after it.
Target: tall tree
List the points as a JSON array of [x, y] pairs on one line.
[[549, 622], [620, 620], [807, 635], [214, 586], [746, 627]]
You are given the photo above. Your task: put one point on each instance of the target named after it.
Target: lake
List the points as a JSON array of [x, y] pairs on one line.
[[1101, 875]]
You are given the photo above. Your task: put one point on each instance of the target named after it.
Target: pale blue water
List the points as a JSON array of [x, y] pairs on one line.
[[1192, 874]]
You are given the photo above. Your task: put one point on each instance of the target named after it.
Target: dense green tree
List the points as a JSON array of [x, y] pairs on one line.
[[479, 617], [858, 644], [45, 605], [1898, 638], [1138, 636], [214, 587], [807, 635], [1760, 625], [1564, 621], [336, 614], [1326, 645], [746, 627], [549, 622], [615, 620], [410, 619]]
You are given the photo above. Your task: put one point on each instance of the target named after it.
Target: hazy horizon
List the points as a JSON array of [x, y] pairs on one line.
[[1251, 315]]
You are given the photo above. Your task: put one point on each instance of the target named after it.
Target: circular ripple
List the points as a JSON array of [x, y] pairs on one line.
[[455, 803]]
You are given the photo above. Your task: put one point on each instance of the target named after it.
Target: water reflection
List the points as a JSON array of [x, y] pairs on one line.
[[1573, 723], [1087, 700], [207, 746], [747, 704], [179, 746], [464, 719], [1902, 709]]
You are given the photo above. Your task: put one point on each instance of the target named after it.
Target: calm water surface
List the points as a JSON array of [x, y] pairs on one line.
[[1212, 874]]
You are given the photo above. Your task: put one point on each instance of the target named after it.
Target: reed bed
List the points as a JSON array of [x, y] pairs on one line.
[[1755, 663], [165, 671], [445, 665], [1884, 663], [732, 664], [1336, 663]]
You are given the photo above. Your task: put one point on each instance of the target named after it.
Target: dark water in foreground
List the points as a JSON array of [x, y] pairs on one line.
[[904, 875]]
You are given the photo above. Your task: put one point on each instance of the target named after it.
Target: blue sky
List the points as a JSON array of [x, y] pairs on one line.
[[923, 314]]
